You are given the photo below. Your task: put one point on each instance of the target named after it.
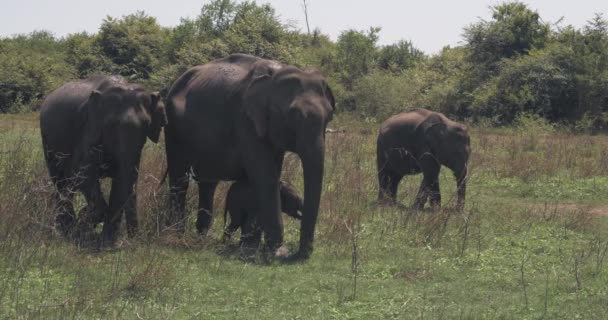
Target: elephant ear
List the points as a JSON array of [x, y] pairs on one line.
[[91, 124], [159, 117], [89, 107], [435, 131], [90, 117], [330, 97], [255, 100]]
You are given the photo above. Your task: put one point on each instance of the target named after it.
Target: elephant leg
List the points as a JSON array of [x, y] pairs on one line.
[[178, 168], [122, 199], [231, 229], [422, 195], [430, 183], [205, 206], [65, 217], [263, 169], [251, 234], [130, 209], [178, 182], [388, 186], [435, 195], [461, 185], [97, 207], [112, 219]]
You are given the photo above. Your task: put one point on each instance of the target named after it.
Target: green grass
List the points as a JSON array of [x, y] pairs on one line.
[[532, 242]]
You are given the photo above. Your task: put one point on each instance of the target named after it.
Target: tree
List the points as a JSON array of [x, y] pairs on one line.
[[256, 30], [134, 44], [30, 67], [542, 83], [356, 54], [399, 56], [216, 17], [513, 30], [84, 53]]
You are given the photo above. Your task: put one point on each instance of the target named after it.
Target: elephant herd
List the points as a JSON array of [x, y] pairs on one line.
[[232, 119]]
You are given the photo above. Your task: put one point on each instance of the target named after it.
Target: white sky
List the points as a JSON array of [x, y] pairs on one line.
[[430, 24]]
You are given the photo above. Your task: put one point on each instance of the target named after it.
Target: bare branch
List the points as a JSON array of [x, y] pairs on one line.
[[305, 7]]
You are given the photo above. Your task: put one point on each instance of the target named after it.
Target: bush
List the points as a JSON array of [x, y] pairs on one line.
[[30, 67], [381, 94], [541, 83]]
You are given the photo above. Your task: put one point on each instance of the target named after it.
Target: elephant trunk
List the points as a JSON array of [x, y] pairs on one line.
[[312, 154], [461, 184]]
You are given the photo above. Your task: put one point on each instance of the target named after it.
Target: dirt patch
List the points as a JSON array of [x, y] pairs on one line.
[[570, 208]]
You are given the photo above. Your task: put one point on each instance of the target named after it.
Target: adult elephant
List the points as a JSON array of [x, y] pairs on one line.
[[96, 128], [234, 119], [421, 141]]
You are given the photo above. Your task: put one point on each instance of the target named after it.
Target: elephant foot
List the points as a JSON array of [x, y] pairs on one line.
[[297, 257], [109, 234], [281, 252]]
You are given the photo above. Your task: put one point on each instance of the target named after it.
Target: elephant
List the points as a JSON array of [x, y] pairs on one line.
[[95, 128], [242, 205], [421, 141], [234, 118]]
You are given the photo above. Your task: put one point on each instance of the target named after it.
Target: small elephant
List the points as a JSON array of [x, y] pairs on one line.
[[421, 141], [96, 128], [242, 205]]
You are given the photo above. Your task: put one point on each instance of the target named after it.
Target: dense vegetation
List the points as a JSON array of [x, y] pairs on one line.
[[513, 63]]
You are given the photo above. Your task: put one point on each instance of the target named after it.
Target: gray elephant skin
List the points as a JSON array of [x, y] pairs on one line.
[[241, 204], [234, 119], [96, 128], [421, 141]]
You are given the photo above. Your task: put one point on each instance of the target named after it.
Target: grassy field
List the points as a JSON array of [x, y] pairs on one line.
[[532, 242]]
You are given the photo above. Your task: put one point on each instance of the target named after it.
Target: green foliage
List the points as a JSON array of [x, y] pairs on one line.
[[381, 94], [30, 66], [256, 30], [356, 54], [216, 17], [513, 30], [514, 63], [85, 54], [399, 57], [542, 82], [134, 44]]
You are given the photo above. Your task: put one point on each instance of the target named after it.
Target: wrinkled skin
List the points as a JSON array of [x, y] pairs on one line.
[[96, 128], [234, 119], [421, 141], [241, 203]]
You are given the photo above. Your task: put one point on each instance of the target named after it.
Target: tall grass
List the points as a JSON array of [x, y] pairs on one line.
[[531, 243]]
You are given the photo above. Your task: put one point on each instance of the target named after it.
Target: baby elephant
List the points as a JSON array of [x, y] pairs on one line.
[[242, 205], [421, 141]]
